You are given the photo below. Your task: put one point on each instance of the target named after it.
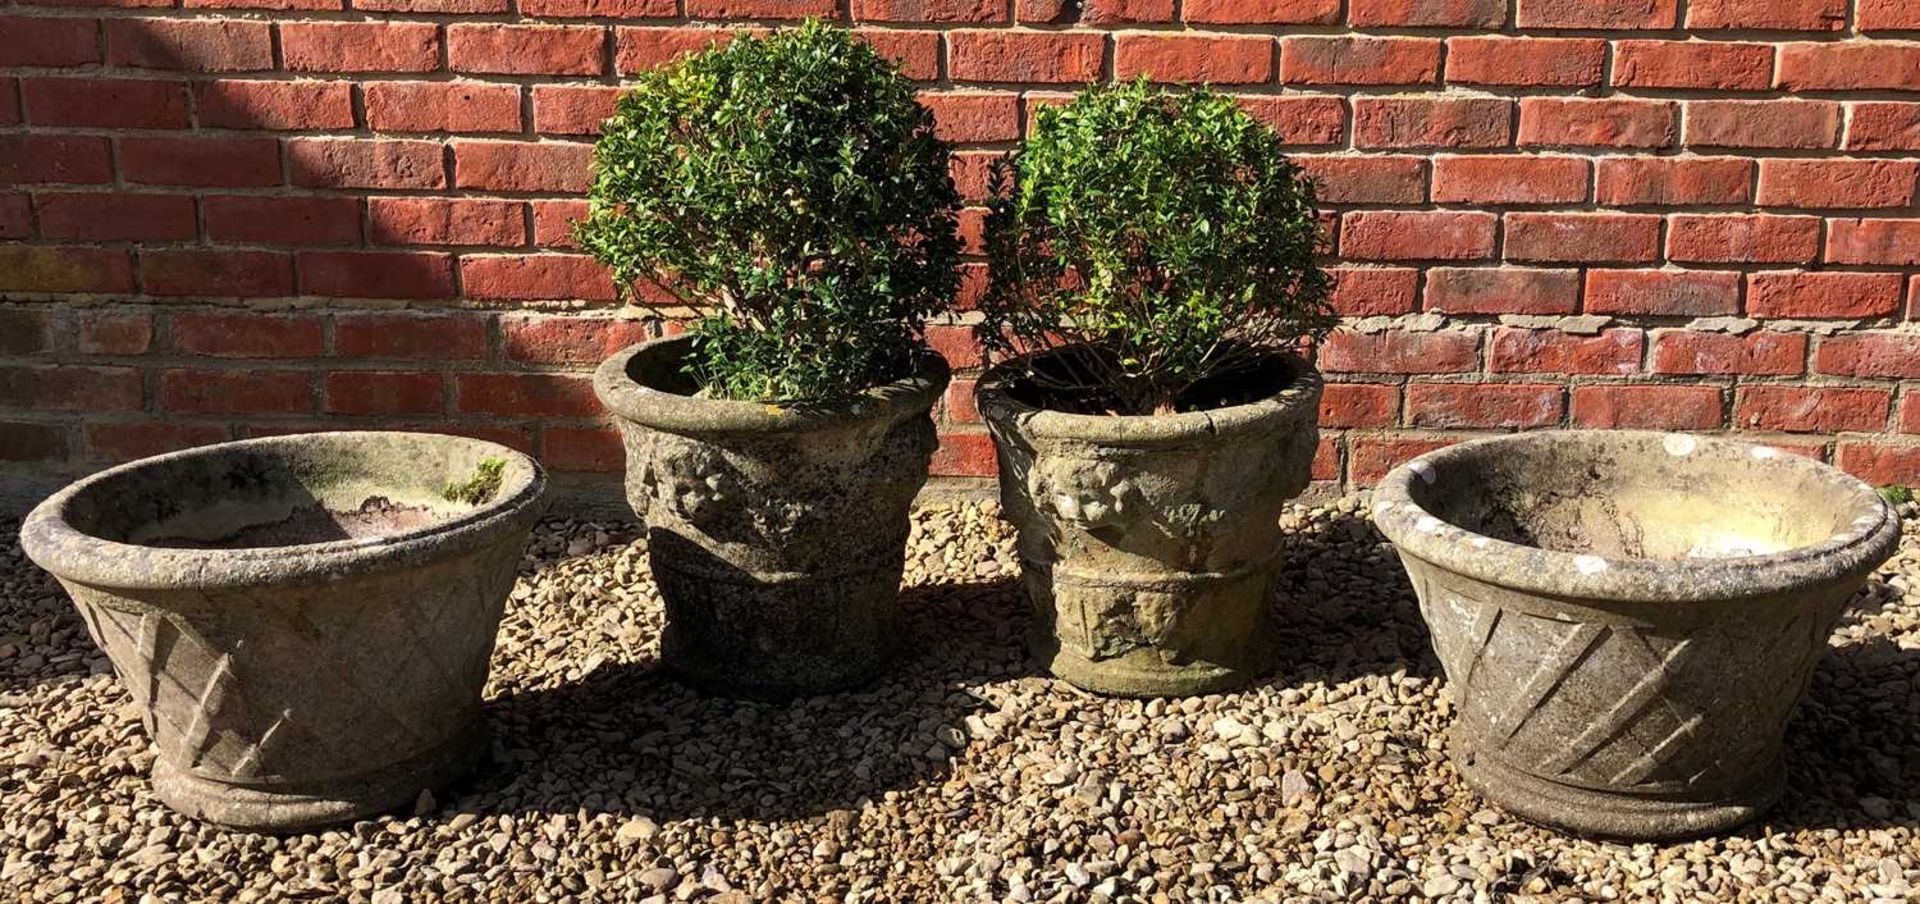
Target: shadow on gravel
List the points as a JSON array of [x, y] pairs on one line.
[[1345, 608], [630, 740], [42, 639]]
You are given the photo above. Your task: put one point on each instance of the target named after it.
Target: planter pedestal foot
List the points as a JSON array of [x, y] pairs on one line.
[[1139, 673], [344, 800]]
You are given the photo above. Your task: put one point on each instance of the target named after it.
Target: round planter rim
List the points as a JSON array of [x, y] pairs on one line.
[[693, 416], [51, 541], [996, 403], [1865, 542]]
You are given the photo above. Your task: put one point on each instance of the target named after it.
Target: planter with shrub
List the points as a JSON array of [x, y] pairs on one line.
[[1154, 276], [793, 184]]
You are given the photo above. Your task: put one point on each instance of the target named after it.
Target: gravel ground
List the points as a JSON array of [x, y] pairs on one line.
[[963, 776]]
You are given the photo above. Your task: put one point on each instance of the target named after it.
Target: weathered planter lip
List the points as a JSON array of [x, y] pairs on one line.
[[627, 397], [1869, 538], [996, 403], [53, 543]]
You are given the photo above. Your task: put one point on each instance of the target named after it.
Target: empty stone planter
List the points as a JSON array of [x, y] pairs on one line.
[[1627, 619], [305, 621], [777, 532], [1148, 545]]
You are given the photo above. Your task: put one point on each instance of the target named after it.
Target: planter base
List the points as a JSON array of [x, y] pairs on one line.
[[342, 801], [1140, 673], [1600, 814]]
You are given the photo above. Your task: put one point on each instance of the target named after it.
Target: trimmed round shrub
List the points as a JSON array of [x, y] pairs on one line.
[[1164, 236], [793, 184]]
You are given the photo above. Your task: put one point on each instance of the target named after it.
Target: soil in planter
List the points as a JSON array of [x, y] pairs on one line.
[[1064, 380], [378, 516]]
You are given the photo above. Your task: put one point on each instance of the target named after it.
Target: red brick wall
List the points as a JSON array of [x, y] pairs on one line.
[[222, 218]]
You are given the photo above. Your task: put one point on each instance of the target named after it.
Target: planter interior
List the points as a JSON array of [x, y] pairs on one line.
[[305, 620], [1627, 619]]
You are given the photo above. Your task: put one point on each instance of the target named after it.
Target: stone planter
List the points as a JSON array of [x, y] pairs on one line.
[[777, 532], [305, 621], [1627, 619], [1148, 544]]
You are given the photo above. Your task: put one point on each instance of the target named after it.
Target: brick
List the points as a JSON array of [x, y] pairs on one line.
[[206, 162], [553, 222], [16, 216], [1674, 181], [116, 216], [572, 109], [115, 333], [1884, 126], [1910, 414], [1355, 60], [277, 220], [458, 106], [1025, 56], [1373, 291], [1262, 12], [279, 4], [917, 53], [105, 103], [411, 337], [1740, 238], [956, 344], [526, 395], [360, 46], [638, 49], [1427, 13], [964, 455], [527, 49], [1399, 352], [236, 274], [759, 9], [196, 45], [49, 42], [21, 441], [1711, 65], [1395, 122], [381, 392], [1880, 463], [1647, 407], [1571, 122], [1483, 405], [366, 163], [439, 6], [249, 391], [446, 221], [68, 159], [1758, 353], [1794, 124], [1596, 14], [24, 331], [582, 449], [973, 116], [535, 277], [1879, 356], [609, 9], [1491, 179], [1887, 15], [1785, 15], [951, 11], [1850, 66], [537, 339], [248, 335], [1669, 293], [972, 172], [1811, 409], [1359, 405], [1582, 237], [302, 104], [121, 442], [1837, 183], [522, 166], [1516, 350], [1894, 243], [1326, 460], [1502, 290], [1370, 179], [1417, 235], [376, 274], [66, 387], [59, 268], [1298, 119], [9, 101], [1373, 456], [1526, 62], [1824, 294], [1216, 59]]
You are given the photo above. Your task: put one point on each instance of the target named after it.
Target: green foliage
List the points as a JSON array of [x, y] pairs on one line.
[[1896, 494], [795, 182], [479, 488], [1164, 231]]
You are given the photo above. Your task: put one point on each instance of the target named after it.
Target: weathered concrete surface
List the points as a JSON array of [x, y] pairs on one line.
[[1627, 619], [293, 686], [1148, 544], [777, 533]]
